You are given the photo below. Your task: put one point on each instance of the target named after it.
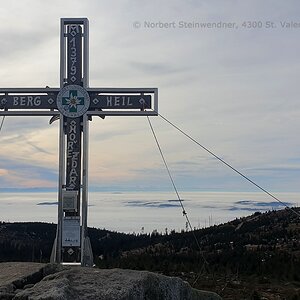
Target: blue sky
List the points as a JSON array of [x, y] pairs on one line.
[[235, 90]]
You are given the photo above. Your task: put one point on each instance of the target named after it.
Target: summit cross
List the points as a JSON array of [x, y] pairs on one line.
[[74, 103]]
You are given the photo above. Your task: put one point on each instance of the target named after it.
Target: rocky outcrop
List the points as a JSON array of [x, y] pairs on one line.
[[15, 276], [53, 282]]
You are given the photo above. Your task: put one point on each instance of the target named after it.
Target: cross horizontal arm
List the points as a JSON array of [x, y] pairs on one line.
[[118, 101], [25, 101], [112, 99], [103, 101], [28, 101]]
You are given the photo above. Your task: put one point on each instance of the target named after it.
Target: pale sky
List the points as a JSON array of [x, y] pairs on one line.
[[234, 89]]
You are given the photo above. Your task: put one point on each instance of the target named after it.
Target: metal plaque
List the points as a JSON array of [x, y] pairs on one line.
[[71, 232], [120, 101]]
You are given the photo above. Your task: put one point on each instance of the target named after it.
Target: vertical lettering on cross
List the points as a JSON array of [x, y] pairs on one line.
[[73, 126], [74, 54], [73, 177]]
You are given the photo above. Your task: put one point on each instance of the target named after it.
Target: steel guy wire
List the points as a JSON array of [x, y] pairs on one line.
[[176, 191], [229, 165]]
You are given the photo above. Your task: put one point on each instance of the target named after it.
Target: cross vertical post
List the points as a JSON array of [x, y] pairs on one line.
[[74, 71]]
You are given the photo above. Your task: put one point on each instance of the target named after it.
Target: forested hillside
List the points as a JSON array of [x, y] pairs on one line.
[[260, 250]]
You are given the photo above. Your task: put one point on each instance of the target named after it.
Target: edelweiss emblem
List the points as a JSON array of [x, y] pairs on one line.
[[73, 101]]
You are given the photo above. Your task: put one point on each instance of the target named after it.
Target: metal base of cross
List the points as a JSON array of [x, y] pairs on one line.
[[87, 258]]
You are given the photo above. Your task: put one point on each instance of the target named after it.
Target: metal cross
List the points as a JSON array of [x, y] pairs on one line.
[[74, 103]]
